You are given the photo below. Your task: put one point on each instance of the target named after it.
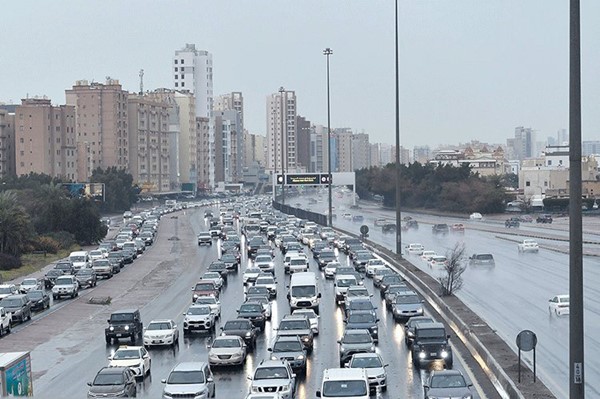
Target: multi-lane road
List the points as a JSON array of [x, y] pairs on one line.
[[68, 348], [512, 296]]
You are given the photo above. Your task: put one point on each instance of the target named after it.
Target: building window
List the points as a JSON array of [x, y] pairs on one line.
[[181, 76], [527, 184], [176, 76], [175, 61], [181, 62], [182, 84], [175, 69]]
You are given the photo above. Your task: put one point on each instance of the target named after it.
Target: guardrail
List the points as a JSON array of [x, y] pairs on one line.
[[301, 213]]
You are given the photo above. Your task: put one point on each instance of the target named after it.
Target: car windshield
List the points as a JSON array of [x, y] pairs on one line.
[[226, 343], [186, 377], [251, 308], [121, 317], [29, 281], [366, 362], [64, 281], [268, 373], [414, 320], [84, 272], [484, 257], [257, 290], [361, 305], [308, 313], [288, 346], [447, 381], [265, 280], [35, 295], [204, 287], [407, 299], [63, 266], [253, 270], [345, 282], [123, 354], [109, 379], [287, 325], [304, 290], [10, 302], [159, 326], [228, 258], [357, 338], [198, 310], [361, 318], [78, 258], [434, 333], [52, 273], [263, 259], [344, 389], [206, 301], [212, 275], [563, 299], [236, 325], [298, 261]]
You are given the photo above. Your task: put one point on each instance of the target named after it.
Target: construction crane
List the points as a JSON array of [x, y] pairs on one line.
[[141, 82]]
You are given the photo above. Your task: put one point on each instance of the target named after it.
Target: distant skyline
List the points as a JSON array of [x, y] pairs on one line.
[[469, 69]]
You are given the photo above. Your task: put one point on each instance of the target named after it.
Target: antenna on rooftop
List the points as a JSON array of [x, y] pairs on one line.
[[141, 81]]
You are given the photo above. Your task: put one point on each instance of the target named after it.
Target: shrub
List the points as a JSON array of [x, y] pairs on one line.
[[9, 262], [47, 244], [64, 239]]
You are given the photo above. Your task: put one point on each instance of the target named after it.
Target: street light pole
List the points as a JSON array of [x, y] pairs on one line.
[[398, 181], [327, 52], [283, 169]]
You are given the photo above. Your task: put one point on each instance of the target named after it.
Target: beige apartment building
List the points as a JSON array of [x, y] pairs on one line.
[[281, 117], [45, 139], [343, 140], [254, 148], [204, 154], [148, 142], [101, 125], [7, 144]]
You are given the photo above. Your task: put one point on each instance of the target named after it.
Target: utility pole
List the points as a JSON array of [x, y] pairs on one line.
[[398, 181], [327, 52]]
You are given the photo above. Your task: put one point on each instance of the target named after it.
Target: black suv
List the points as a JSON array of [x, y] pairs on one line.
[[125, 323], [545, 218], [440, 228], [430, 343], [512, 222]]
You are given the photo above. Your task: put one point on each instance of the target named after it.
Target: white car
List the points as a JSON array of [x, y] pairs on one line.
[[475, 216], [198, 318], [65, 286], [251, 274], [330, 269], [373, 264], [426, 255], [29, 284], [8, 290], [212, 302], [559, 305], [298, 264], [415, 249], [136, 358], [227, 350], [529, 245], [375, 367], [161, 332], [97, 254], [269, 282], [312, 317], [215, 277], [438, 261], [265, 263]]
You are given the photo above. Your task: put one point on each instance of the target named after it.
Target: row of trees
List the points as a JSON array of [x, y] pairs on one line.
[[444, 188], [38, 213]]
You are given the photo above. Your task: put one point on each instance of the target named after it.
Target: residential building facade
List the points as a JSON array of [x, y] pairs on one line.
[[281, 131], [7, 143], [343, 141], [361, 151]]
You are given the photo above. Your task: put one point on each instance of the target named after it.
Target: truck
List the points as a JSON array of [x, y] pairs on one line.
[[16, 378]]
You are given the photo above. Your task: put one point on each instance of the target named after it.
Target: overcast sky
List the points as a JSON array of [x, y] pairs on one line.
[[470, 69]]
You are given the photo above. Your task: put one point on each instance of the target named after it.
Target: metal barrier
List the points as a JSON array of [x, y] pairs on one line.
[[318, 218]]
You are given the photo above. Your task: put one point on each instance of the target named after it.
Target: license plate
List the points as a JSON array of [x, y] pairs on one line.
[[433, 354]]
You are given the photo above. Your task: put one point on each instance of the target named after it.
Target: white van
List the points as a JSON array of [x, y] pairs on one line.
[[344, 383], [80, 259], [304, 291]]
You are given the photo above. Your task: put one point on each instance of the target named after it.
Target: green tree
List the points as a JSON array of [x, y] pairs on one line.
[[15, 226], [83, 221], [119, 192]]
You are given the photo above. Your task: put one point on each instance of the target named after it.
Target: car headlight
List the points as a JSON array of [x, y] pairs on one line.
[[421, 355], [248, 334], [195, 296], [111, 328], [126, 328], [444, 354], [306, 338], [410, 333], [18, 311], [419, 310], [380, 376], [300, 357], [372, 348], [374, 330], [273, 357]]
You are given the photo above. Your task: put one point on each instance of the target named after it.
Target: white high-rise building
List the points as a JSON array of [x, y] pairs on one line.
[[281, 114], [193, 71]]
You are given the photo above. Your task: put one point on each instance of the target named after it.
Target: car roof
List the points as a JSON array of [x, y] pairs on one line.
[[125, 311], [344, 374], [271, 363], [430, 324], [112, 370], [161, 321], [189, 366], [446, 372]]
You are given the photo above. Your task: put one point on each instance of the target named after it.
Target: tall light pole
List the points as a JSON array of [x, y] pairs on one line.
[[327, 52], [283, 114], [398, 181], [576, 324]]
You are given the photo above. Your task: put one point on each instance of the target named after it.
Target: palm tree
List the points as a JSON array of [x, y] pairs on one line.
[[15, 225]]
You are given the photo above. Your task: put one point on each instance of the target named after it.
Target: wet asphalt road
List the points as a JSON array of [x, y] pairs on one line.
[[68, 345]]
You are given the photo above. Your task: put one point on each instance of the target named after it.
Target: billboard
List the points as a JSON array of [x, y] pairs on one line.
[[309, 179], [18, 379], [93, 191]]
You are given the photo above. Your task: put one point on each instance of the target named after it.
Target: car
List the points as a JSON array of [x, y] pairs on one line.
[[391, 291], [212, 302], [388, 228], [409, 224], [414, 249], [274, 376], [38, 300], [361, 259], [126, 323], [330, 269], [105, 267], [51, 276], [344, 383], [161, 332], [299, 326], [30, 284], [113, 382], [254, 312], [254, 290], [220, 267], [355, 341], [205, 288], [97, 254], [66, 266], [440, 229], [426, 255], [251, 274], [231, 261], [359, 304], [242, 328], [325, 257], [136, 358], [529, 245], [227, 350], [358, 218], [356, 291], [386, 281], [264, 301], [526, 219], [214, 277], [558, 304], [376, 369], [544, 218], [347, 216], [373, 264], [66, 285], [17, 306], [86, 277], [483, 259], [406, 305], [431, 343], [457, 228], [189, 380], [512, 222], [198, 318], [313, 318], [267, 281], [205, 238], [341, 284], [298, 264], [438, 261], [289, 348], [447, 384], [380, 273], [5, 322], [363, 320], [475, 216], [409, 328], [7, 290]]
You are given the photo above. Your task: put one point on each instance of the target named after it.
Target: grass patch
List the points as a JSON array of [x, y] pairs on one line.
[[33, 263]]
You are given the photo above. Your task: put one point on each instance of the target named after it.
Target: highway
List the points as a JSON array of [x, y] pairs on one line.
[[513, 295], [67, 345]]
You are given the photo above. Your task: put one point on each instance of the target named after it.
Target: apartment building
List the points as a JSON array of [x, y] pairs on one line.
[[361, 151], [204, 155], [7, 143], [149, 141], [343, 146], [45, 139], [303, 141], [254, 149], [281, 131], [100, 124], [228, 146]]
